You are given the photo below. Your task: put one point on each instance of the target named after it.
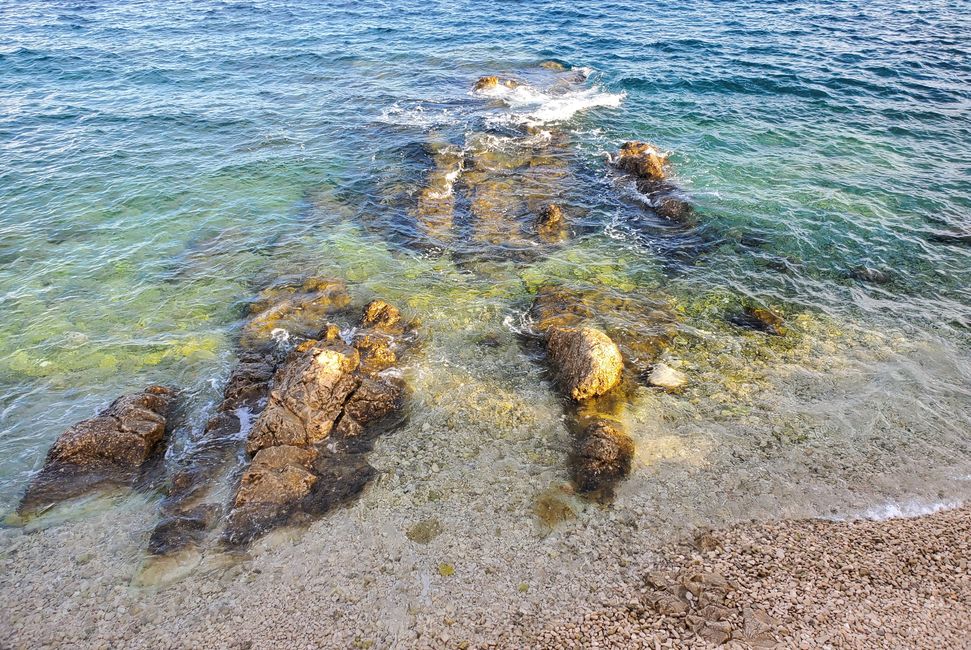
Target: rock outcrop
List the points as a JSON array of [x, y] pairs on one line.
[[643, 161], [328, 401], [110, 448], [492, 81]]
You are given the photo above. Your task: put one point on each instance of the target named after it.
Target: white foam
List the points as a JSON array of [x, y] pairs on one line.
[[535, 107], [416, 115], [907, 509]]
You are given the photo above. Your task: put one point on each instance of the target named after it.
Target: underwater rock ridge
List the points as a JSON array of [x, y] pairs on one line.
[[112, 448]]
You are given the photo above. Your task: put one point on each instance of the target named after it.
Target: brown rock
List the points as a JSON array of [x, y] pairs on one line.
[[587, 362], [556, 66], [550, 225], [381, 316], [111, 447], [642, 160], [373, 400], [309, 395], [602, 456], [278, 475]]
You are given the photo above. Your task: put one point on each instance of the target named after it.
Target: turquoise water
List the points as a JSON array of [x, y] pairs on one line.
[[163, 161]]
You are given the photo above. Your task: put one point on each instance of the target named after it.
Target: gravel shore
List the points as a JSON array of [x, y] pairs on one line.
[[899, 583]]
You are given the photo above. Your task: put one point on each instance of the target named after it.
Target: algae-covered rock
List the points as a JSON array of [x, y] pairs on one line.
[[555, 66], [292, 310], [602, 456], [111, 447], [587, 362]]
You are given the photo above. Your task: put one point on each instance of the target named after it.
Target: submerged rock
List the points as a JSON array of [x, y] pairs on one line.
[[292, 310], [555, 66], [869, 274], [759, 319], [666, 377], [602, 456], [587, 362], [110, 448]]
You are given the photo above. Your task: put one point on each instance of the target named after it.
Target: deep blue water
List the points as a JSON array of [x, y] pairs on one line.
[[161, 160]]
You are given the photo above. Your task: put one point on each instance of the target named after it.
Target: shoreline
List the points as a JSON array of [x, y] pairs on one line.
[[804, 583]]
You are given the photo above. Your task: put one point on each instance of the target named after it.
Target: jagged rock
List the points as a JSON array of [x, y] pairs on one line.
[[666, 377], [111, 447], [587, 362], [372, 401], [277, 475], [292, 310], [326, 391], [760, 319], [602, 456], [308, 396], [381, 316], [642, 160]]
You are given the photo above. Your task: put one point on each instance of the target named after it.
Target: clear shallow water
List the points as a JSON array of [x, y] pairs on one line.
[[161, 163]]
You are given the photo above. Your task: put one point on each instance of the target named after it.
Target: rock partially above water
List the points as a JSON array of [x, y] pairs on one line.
[[550, 225], [110, 448], [492, 81], [326, 392], [642, 160], [587, 362]]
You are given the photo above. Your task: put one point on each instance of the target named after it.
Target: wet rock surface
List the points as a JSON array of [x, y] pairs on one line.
[[110, 448], [649, 166], [587, 362], [325, 392], [187, 512]]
